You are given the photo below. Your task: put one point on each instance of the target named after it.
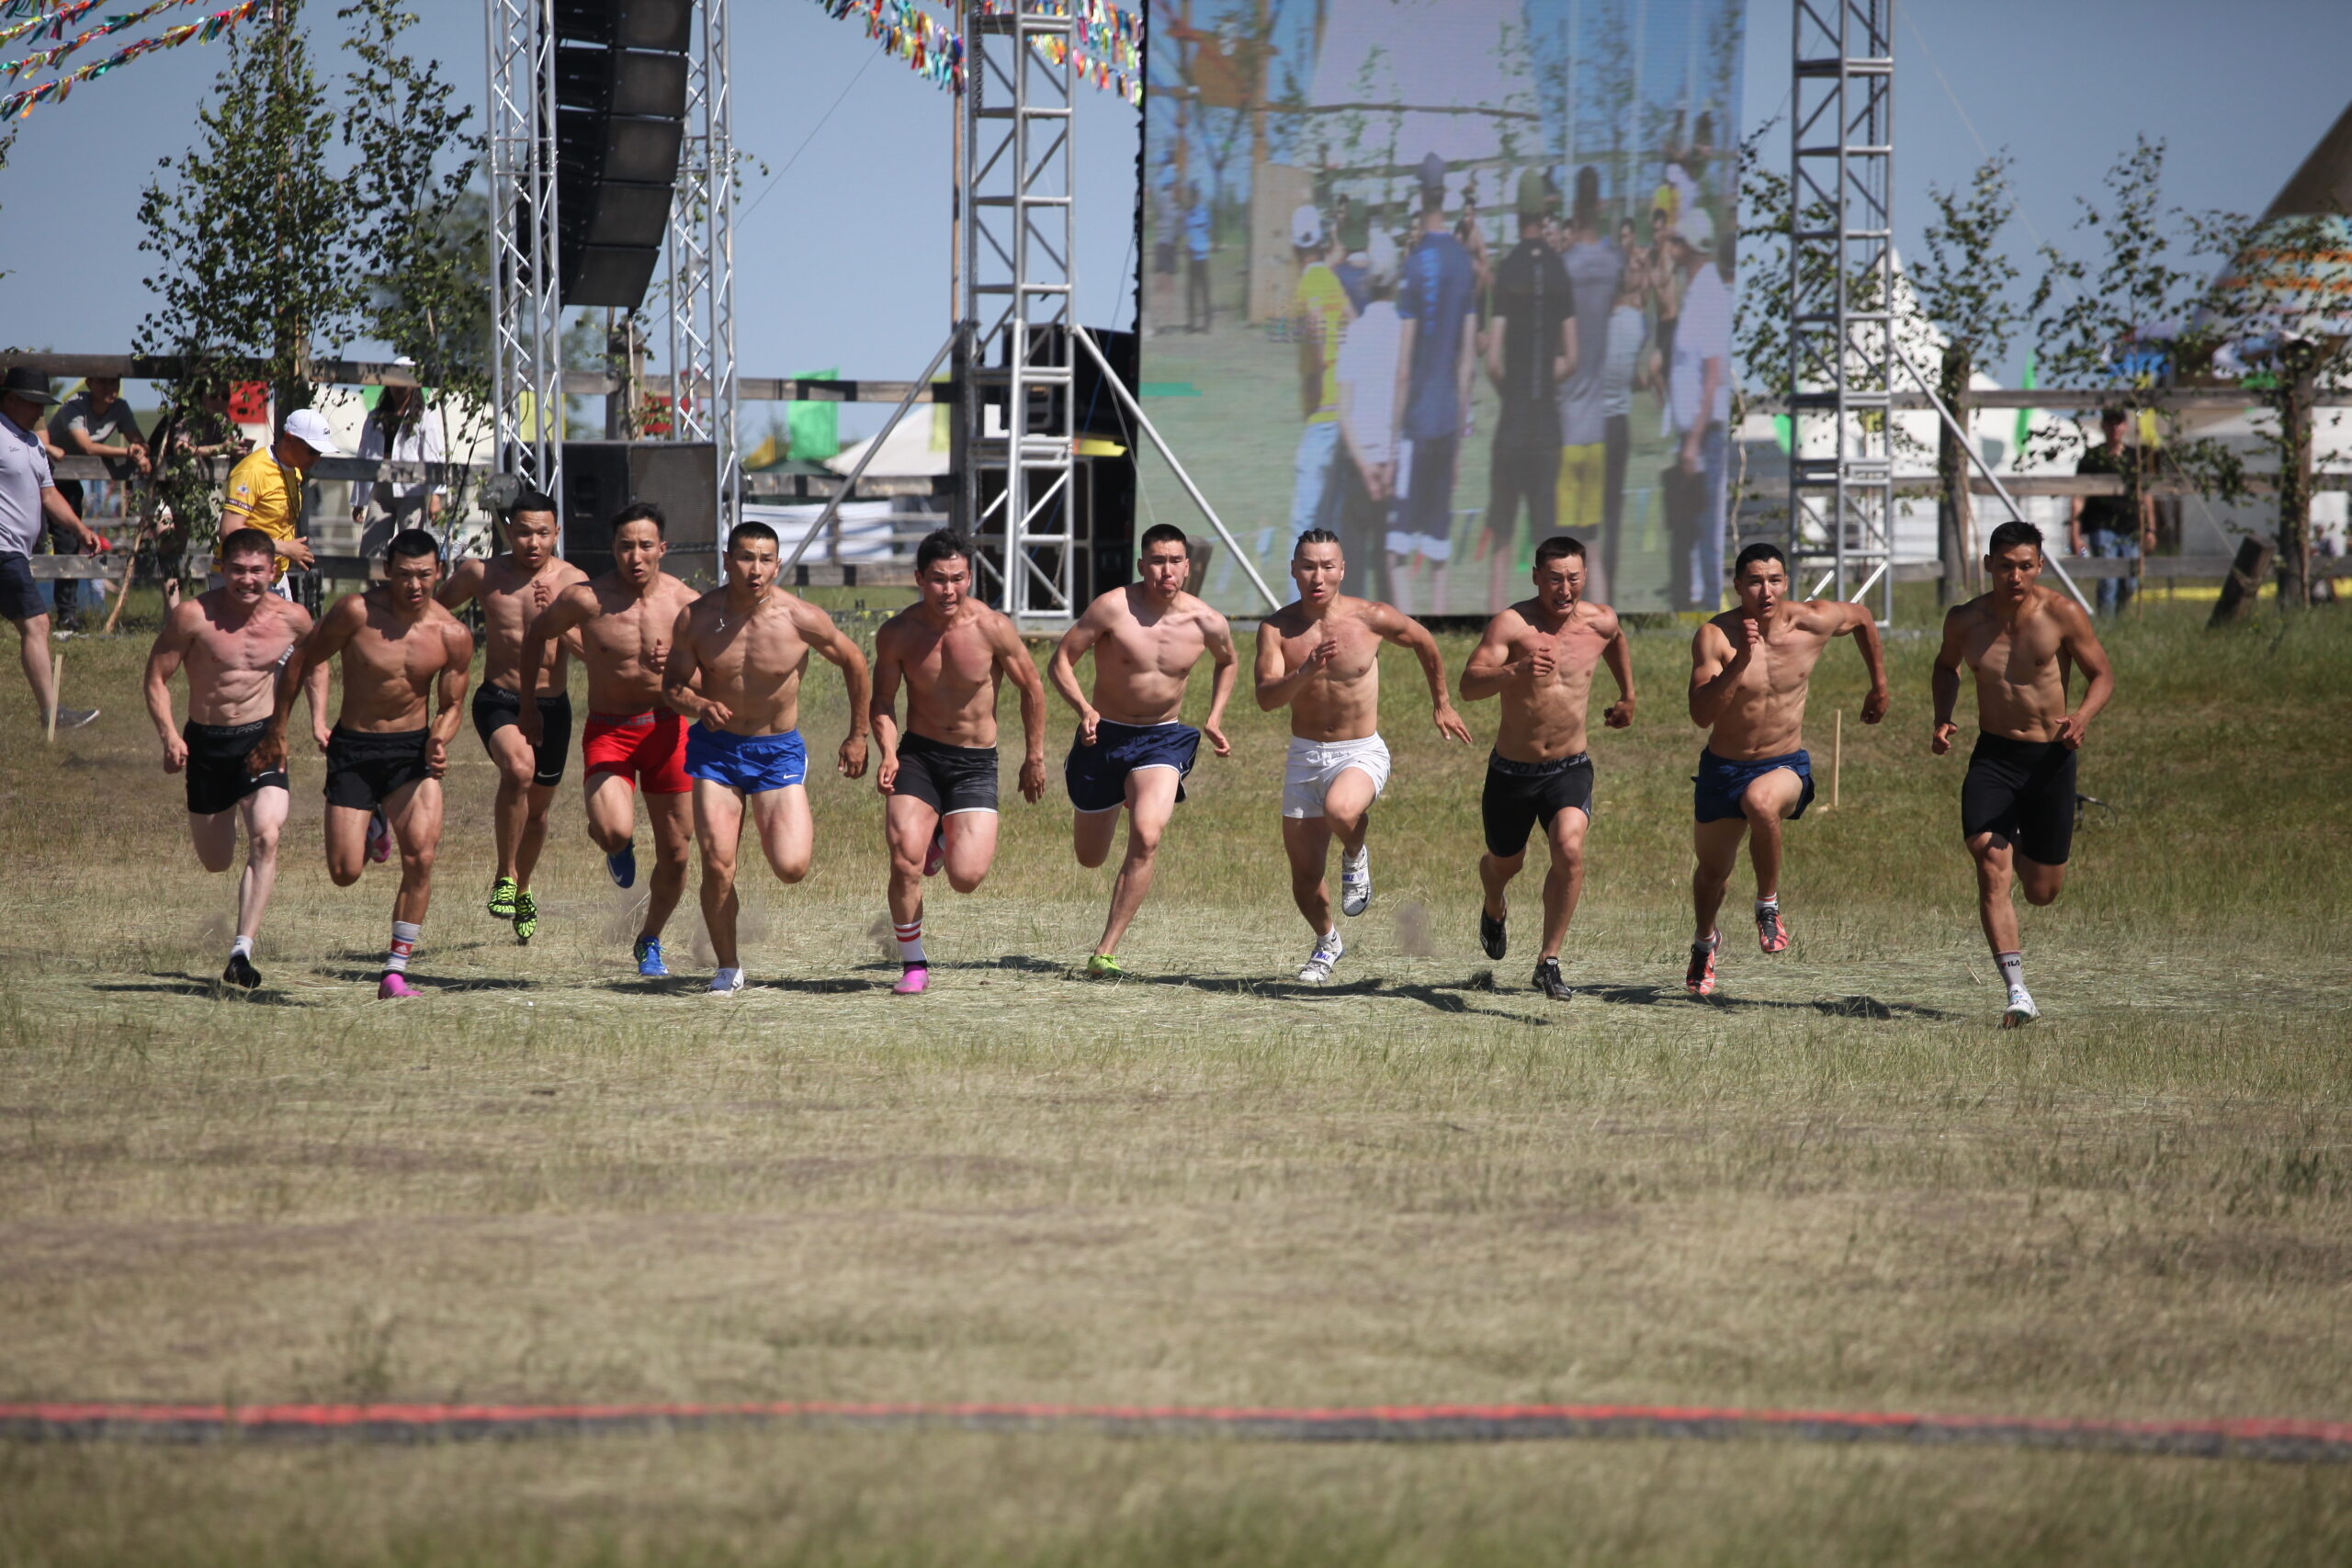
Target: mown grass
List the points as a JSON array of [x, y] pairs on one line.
[[1840, 1187]]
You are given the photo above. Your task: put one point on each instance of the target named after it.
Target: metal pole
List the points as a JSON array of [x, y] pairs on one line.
[[1127, 400], [833, 504]]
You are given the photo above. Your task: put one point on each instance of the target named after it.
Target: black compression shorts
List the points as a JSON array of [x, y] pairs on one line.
[[947, 778], [216, 779], [1520, 794], [2021, 792], [364, 768], [496, 707]]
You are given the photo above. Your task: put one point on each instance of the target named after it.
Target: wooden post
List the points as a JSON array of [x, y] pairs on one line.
[[1955, 528], [2295, 482], [2244, 582], [1837, 756], [56, 689]]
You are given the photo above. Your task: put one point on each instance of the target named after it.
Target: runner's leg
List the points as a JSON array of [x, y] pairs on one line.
[[264, 814], [415, 812], [1565, 882], [787, 831], [346, 830], [1717, 846], [1767, 802], [1494, 876], [673, 832], [1091, 833], [1307, 842], [610, 800], [1995, 872], [511, 809], [1152, 801], [215, 837], [908, 824], [1346, 806], [533, 838], [718, 831], [971, 848]]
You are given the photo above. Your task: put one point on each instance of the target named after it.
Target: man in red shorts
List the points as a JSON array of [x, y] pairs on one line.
[[620, 625]]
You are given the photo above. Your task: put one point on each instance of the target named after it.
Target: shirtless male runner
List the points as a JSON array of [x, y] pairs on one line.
[[622, 623], [1131, 750], [513, 589], [1750, 668], [231, 641], [1539, 655], [748, 645], [939, 777], [2017, 804], [400, 651], [1320, 656]]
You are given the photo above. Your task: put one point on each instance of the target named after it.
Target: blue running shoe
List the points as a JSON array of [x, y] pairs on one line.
[[649, 958], [621, 865]]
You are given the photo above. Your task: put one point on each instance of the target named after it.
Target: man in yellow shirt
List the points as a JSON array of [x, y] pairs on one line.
[[1320, 316], [266, 489]]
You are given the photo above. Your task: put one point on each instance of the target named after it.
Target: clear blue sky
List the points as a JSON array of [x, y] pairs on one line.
[[844, 260]]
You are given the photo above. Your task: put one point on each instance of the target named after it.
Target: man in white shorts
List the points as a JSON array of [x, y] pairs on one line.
[[1320, 657]]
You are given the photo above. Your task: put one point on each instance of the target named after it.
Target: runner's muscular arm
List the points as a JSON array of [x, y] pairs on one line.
[[1275, 689], [2079, 642], [1062, 669], [840, 649], [1943, 680], [1490, 667], [315, 685], [678, 673], [1394, 626], [462, 584], [163, 658], [1217, 632], [1856, 621], [572, 607], [1715, 668], [1618, 654], [327, 639], [449, 691], [882, 709], [1012, 658]]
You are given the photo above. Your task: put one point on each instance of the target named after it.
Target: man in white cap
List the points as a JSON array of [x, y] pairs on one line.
[[28, 501], [1698, 400], [265, 490], [1319, 316]]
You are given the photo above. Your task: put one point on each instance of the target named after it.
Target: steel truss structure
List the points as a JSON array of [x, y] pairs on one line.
[[1842, 350], [1016, 347], [697, 294]]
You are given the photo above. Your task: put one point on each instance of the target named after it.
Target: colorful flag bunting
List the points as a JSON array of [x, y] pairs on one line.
[[23, 101]]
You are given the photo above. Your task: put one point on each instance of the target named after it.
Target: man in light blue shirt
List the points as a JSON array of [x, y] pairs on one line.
[[28, 497]]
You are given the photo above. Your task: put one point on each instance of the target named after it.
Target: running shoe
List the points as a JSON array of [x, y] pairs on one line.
[[241, 972], [1355, 882], [502, 897], [527, 917], [621, 865], [394, 983], [727, 982], [1771, 932], [935, 857], [2020, 1011], [74, 718], [1317, 971], [1493, 935], [913, 982], [379, 837], [1549, 981], [1104, 966], [1700, 978], [649, 958]]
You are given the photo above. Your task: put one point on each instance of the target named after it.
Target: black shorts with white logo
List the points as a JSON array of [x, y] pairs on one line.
[[217, 778], [2021, 792], [1520, 794]]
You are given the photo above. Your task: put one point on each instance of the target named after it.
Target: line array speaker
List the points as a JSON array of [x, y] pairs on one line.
[[620, 122]]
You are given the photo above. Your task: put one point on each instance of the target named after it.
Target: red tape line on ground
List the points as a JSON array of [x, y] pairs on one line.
[[90, 1421]]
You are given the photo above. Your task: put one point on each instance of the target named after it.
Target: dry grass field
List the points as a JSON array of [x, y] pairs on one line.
[[1836, 1185]]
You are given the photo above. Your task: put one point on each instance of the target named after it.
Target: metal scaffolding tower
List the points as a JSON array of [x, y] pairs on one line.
[[1841, 295], [700, 285], [1016, 351], [526, 309]]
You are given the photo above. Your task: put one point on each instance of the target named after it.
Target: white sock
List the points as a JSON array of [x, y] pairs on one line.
[[406, 934], [2012, 966], [910, 943], [1771, 903], [241, 948]]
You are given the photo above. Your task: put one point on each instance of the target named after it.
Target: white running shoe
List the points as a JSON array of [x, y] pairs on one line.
[[2020, 1011], [727, 982], [1317, 969], [1355, 883]]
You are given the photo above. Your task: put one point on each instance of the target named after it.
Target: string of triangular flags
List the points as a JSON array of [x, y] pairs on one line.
[[1108, 52], [24, 99], [54, 21], [42, 59]]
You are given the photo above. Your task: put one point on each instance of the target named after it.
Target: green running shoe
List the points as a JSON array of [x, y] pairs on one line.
[[502, 897], [1104, 966], [527, 917]]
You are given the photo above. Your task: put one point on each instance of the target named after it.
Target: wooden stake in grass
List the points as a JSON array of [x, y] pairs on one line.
[[56, 689], [1837, 755]]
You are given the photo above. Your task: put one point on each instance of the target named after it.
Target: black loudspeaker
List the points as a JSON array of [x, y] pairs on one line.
[[1099, 411], [621, 99], [680, 477]]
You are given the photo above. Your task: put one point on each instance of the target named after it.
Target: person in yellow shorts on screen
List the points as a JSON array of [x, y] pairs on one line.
[[265, 490]]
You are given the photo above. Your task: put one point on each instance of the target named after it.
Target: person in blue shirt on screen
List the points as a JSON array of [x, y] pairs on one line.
[[1436, 298]]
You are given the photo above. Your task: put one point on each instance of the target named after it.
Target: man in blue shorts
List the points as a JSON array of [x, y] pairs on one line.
[[1131, 749], [736, 662], [1749, 670]]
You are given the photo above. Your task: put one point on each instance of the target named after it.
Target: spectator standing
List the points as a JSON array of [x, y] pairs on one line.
[[1436, 299], [94, 422], [1594, 266], [2101, 524], [1320, 317], [399, 428], [265, 490], [1620, 369], [1699, 409], [28, 500], [1531, 345], [1200, 313]]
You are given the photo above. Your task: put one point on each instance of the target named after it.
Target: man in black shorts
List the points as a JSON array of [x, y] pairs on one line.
[[232, 642], [2017, 804], [1539, 655], [513, 589], [939, 777], [400, 650]]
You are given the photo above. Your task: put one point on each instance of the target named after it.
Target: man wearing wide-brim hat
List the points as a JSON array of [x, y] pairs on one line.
[[29, 499]]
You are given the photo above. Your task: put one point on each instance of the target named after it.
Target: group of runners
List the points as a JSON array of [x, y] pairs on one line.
[[694, 702]]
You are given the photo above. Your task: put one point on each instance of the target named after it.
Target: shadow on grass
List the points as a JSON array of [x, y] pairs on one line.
[[427, 982], [163, 983]]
